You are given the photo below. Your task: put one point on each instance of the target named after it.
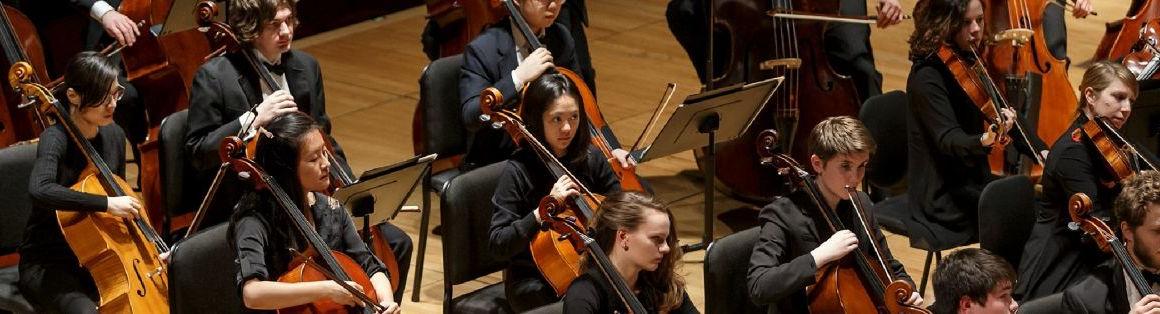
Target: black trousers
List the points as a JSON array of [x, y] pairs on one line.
[[526, 289], [574, 17], [848, 48], [402, 246], [58, 287]]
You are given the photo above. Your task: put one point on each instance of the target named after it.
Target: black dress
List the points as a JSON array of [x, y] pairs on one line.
[[264, 254], [50, 274], [947, 166], [781, 266], [524, 182], [592, 293]]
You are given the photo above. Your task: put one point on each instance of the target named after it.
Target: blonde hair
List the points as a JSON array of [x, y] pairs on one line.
[[840, 135], [1100, 76]]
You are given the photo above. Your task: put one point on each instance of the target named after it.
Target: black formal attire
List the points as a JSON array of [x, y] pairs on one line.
[[50, 274], [1105, 290], [592, 293], [488, 61], [1054, 257], [223, 90], [574, 17], [781, 266], [948, 166], [264, 253], [524, 182]]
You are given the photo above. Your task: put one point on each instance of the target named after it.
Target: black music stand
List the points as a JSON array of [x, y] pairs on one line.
[[386, 188], [704, 120]]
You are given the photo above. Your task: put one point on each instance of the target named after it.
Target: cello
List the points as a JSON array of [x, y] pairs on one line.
[[602, 136], [1031, 77], [123, 255], [1144, 59], [1119, 36], [336, 266], [761, 47], [551, 209], [21, 43], [556, 256], [1080, 208], [860, 282]]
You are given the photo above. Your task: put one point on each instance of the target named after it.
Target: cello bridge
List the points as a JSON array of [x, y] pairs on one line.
[[788, 63], [1017, 36]]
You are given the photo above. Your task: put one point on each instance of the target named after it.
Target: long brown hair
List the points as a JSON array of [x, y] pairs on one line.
[[663, 287], [935, 23]]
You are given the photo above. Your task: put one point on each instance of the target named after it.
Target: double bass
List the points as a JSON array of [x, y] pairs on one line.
[[1027, 73], [335, 266], [1144, 58], [556, 256], [860, 282], [121, 254], [1080, 208], [1122, 34], [21, 43], [759, 47]]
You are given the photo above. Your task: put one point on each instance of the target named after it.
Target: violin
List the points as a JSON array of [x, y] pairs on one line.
[[553, 209], [1034, 80], [1122, 34], [602, 136], [1120, 156], [121, 254], [982, 91], [1080, 207], [758, 47], [1144, 59], [859, 282], [556, 256], [335, 266], [21, 43]]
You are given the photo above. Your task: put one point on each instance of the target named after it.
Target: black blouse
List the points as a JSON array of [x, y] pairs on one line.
[[59, 163], [524, 182], [592, 293], [263, 256]]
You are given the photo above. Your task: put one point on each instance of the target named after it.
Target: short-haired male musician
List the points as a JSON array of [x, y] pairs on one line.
[[973, 281]]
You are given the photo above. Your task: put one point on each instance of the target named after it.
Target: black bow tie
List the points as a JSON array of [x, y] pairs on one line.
[[275, 69]]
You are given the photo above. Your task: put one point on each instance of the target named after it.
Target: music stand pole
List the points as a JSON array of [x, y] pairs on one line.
[[708, 125]]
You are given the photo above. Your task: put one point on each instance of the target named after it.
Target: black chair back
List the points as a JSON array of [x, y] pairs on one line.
[[15, 168], [885, 116], [203, 274], [1006, 216], [726, 267], [173, 165], [466, 206], [442, 129]]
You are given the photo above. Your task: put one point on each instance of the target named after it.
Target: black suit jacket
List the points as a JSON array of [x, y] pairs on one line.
[[488, 61], [226, 87], [1101, 292], [96, 32], [781, 267]]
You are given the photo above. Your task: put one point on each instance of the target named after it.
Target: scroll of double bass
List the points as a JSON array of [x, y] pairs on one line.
[[557, 256], [859, 282], [1080, 207], [123, 255]]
